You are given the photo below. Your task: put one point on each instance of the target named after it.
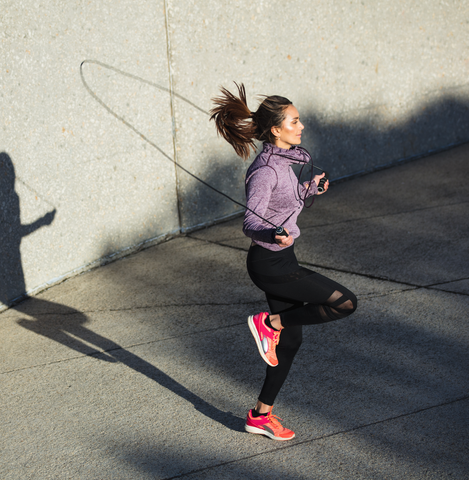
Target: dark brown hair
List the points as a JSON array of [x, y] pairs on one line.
[[239, 126]]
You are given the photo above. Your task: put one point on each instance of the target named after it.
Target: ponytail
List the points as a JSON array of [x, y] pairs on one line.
[[239, 126]]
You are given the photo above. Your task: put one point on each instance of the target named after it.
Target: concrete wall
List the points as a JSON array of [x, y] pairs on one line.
[[84, 162]]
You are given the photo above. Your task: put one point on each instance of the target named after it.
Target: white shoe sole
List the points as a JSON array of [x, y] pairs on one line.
[[261, 431]]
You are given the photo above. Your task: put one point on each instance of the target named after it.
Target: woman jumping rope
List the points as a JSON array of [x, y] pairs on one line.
[[296, 296]]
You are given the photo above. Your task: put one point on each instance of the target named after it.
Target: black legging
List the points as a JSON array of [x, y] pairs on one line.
[[301, 297]]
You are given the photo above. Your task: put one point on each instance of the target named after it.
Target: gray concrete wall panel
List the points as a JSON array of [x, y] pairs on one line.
[[88, 185], [85, 160]]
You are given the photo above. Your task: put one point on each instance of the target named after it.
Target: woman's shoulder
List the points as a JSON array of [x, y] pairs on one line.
[[261, 167]]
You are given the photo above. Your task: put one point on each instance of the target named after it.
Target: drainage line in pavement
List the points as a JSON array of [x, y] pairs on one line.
[[126, 347], [146, 307], [384, 215], [349, 272]]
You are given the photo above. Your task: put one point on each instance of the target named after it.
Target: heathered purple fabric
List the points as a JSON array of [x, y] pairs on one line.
[[272, 192]]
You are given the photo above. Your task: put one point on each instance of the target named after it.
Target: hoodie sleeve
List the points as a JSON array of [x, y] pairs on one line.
[[304, 188], [259, 189]]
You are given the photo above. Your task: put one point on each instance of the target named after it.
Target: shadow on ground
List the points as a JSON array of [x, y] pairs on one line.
[[66, 326]]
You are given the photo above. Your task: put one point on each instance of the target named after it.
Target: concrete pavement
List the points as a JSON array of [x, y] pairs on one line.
[[145, 368]]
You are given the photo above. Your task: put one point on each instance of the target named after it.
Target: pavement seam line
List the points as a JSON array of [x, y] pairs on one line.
[[372, 296], [404, 290], [349, 272], [384, 279], [450, 291], [126, 347], [128, 309], [404, 212], [322, 437], [448, 281]]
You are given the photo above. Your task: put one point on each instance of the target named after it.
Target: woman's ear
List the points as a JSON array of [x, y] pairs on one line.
[[275, 131]]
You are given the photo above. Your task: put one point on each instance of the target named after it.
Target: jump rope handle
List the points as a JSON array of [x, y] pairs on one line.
[[281, 232], [322, 182]]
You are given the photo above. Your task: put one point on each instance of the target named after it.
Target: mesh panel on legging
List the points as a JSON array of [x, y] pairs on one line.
[[314, 299], [338, 306]]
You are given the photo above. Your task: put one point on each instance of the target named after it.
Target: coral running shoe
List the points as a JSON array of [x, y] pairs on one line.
[[266, 338], [268, 425]]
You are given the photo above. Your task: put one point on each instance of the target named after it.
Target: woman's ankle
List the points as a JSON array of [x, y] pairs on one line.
[[262, 408], [276, 322]]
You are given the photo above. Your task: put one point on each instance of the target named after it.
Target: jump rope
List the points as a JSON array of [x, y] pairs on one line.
[[279, 230]]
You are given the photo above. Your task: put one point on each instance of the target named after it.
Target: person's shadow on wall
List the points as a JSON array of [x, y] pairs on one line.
[[12, 284], [61, 323]]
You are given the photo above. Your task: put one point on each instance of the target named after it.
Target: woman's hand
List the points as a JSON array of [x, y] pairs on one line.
[[317, 179], [283, 241]]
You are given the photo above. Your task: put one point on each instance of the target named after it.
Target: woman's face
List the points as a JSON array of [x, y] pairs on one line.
[[289, 132]]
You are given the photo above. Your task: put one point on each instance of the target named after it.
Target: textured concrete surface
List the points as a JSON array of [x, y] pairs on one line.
[[145, 368], [80, 178], [84, 153], [373, 81]]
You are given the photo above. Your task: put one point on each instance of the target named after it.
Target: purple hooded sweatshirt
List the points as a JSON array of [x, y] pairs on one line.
[[273, 192]]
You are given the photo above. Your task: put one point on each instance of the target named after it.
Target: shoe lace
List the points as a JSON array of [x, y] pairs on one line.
[[275, 420], [276, 337]]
